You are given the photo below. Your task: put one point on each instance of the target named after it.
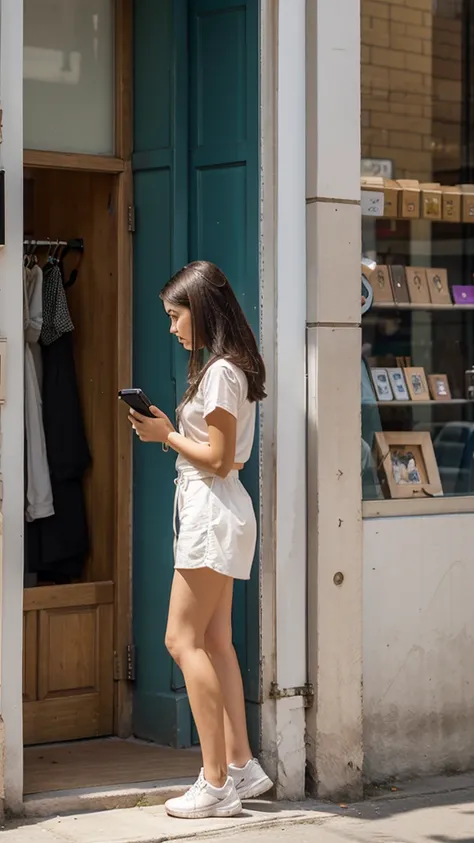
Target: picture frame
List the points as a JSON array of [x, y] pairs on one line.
[[439, 387], [407, 465], [398, 383], [381, 382], [417, 383]]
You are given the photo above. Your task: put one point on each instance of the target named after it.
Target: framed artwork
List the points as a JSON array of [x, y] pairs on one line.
[[398, 384], [439, 387], [381, 383], [407, 465], [438, 286], [417, 384]]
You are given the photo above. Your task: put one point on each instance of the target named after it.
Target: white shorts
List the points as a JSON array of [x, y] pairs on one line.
[[214, 524]]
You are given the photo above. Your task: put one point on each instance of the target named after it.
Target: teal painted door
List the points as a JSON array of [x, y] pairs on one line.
[[196, 181]]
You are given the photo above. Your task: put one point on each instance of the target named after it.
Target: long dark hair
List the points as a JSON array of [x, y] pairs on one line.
[[218, 325]]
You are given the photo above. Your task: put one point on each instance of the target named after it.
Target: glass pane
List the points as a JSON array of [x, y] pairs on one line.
[[69, 75], [418, 247]]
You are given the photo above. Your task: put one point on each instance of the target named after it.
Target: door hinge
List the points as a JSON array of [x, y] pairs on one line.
[[124, 668], [131, 218], [131, 653], [305, 691]]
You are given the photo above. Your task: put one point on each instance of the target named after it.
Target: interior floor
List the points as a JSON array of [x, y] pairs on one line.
[[100, 763]]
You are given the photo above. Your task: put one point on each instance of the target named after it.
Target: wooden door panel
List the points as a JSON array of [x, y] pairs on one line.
[[67, 639], [30, 648], [68, 662]]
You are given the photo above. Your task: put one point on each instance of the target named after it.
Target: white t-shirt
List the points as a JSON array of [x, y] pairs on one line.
[[224, 385]]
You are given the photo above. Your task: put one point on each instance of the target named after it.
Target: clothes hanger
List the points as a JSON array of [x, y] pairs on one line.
[[74, 245]]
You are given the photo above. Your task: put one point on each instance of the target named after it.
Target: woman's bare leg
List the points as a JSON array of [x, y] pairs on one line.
[[195, 596], [218, 642]]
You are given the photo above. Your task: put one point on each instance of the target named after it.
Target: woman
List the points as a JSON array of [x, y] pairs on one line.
[[215, 540]]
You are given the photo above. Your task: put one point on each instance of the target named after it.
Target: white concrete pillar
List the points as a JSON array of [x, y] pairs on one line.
[[283, 272], [334, 722], [11, 414]]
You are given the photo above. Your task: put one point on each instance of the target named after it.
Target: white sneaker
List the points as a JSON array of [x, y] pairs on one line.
[[250, 781], [203, 800]]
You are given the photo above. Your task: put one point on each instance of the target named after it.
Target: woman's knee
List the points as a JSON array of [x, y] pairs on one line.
[[172, 644], [179, 642], [218, 642]]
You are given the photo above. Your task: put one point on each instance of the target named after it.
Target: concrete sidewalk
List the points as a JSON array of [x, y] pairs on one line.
[[439, 810]]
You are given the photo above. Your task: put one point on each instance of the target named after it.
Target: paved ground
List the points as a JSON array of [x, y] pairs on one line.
[[434, 811]]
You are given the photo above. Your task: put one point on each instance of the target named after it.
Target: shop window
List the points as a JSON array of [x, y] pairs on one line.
[[417, 179], [68, 76]]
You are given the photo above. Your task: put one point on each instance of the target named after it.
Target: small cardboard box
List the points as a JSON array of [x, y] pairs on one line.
[[431, 201], [452, 204], [411, 199], [467, 202]]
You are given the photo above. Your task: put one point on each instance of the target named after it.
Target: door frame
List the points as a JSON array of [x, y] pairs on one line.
[[120, 165]]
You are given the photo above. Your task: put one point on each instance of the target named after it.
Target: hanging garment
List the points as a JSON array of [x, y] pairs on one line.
[[66, 443], [58, 546], [56, 317], [39, 495], [34, 316]]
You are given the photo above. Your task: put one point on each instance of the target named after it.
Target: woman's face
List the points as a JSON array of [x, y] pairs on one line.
[[181, 325]]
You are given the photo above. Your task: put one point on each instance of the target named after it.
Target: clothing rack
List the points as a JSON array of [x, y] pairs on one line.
[[45, 242], [74, 245]]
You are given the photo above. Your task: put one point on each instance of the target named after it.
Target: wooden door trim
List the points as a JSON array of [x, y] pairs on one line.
[[72, 161], [62, 596], [123, 503], [123, 78], [118, 592], [123, 695]]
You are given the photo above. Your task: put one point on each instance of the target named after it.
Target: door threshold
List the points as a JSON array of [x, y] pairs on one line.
[[104, 798]]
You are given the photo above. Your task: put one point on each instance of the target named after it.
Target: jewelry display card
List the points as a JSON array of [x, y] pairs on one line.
[[418, 285], [438, 286], [380, 282], [399, 284]]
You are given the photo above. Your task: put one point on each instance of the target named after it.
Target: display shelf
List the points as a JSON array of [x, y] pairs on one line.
[[424, 403], [410, 306], [443, 505], [415, 219]]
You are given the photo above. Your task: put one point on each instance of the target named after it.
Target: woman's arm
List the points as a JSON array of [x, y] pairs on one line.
[[217, 457]]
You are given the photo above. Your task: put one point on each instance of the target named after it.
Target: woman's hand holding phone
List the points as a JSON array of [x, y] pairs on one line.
[[156, 429]]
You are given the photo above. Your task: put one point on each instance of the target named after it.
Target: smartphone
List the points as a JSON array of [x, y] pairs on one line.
[[137, 400]]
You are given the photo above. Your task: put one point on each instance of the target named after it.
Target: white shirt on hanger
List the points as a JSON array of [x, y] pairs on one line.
[[39, 494]]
